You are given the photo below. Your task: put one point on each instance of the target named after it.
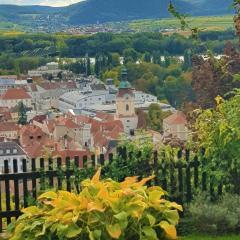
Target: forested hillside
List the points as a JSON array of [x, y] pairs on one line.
[[93, 11]]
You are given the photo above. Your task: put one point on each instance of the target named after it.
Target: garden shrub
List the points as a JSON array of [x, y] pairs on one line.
[[102, 210], [222, 216]]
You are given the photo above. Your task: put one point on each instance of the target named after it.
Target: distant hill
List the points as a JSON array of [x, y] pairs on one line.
[[92, 11], [13, 13]]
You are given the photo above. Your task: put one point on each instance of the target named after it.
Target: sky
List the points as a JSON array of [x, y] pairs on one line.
[[53, 3]]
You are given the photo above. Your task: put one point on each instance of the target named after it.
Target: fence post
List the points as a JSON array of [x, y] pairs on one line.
[[102, 161], [25, 187], [110, 158], [155, 166], [124, 153], [85, 161], [204, 173], [188, 177], [172, 177], [34, 182], [68, 175], [220, 190], [196, 165], [164, 173], [76, 173], [42, 172], [7, 190], [59, 173], [50, 168], [139, 161], [180, 176], [16, 186], [211, 188], [93, 157]]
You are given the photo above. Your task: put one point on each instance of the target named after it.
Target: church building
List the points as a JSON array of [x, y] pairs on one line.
[[126, 105]]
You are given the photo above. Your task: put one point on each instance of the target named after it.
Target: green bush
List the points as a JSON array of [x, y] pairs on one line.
[[222, 216], [103, 210]]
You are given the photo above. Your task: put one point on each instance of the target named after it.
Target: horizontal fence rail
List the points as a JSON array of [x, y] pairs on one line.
[[180, 177]]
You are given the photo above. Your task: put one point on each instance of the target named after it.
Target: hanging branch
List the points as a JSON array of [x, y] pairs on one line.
[[236, 5], [184, 23]]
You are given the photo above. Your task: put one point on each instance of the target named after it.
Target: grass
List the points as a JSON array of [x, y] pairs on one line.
[[196, 237], [214, 23]]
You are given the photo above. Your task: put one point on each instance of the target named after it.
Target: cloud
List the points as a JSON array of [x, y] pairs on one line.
[[54, 3]]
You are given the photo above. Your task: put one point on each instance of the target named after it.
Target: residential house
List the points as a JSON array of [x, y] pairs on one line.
[[13, 96], [175, 126], [9, 130], [10, 151]]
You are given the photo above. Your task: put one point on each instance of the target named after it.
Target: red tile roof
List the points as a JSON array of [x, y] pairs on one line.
[[39, 118], [176, 118], [15, 93], [69, 123], [49, 85], [8, 126]]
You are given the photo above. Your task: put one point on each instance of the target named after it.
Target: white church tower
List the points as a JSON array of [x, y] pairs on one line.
[[126, 105]]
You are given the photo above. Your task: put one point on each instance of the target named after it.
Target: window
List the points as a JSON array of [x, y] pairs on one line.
[[14, 150], [1, 151], [8, 151], [127, 107]]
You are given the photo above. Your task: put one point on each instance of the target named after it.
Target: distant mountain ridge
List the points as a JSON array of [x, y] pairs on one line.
[[92, 11]]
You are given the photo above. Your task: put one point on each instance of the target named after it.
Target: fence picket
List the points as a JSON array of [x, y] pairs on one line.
[[155, 167], [34, 181], [50, 168], [188, 177], [25, 187], [76, 170], [204, 173], [42, 171], [68, 175], [180, 176], [196, 178], [16, 186], [7, 190], [59, 173]]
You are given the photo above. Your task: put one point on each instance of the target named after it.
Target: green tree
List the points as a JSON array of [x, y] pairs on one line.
[[147, 57], [187, 60], [22, 116], [88, 66], [155, 117], [219, 134], [115, 59], [130, 55]]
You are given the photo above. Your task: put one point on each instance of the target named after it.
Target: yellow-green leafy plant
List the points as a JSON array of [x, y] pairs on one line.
[[103, 210]]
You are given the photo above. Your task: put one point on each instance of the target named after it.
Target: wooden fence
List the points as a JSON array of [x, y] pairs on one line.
[[181, 177]]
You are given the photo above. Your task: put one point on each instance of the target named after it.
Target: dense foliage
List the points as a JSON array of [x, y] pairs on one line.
[[219, 133], [222, 216], [103, 210]]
